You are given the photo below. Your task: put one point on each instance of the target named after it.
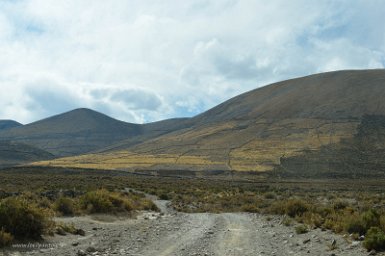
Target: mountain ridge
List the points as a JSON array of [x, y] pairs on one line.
[[255, 130]]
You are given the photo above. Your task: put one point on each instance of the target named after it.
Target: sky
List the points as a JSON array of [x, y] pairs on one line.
[[143, 61]]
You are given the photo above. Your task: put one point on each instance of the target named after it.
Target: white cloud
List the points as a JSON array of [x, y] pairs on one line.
[[172, 58]]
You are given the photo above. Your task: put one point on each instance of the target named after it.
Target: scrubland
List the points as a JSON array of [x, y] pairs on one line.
[[32, 197]]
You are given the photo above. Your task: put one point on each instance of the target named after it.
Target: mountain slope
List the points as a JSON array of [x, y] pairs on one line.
[[8, 124], [149, 131], [256, 130], [12, 153], [332, 95]]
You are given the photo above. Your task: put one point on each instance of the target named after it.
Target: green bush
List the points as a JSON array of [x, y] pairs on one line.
[[65, 206], [371, 218], [374, 239], [23, 219], [5, 238]]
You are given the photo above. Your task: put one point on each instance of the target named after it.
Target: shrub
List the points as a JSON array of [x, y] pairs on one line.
[[374, 239], [5, 238], [164, 197], [313, 219], [23, 219], [355, 224], [148, 205], [63, 228], [371, 218], [296, 207], [65, 206], [270, 195], [103, 201], [340, 205], [301, 229]]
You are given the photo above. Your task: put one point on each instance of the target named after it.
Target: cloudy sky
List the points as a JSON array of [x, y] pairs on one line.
[[142, 61]]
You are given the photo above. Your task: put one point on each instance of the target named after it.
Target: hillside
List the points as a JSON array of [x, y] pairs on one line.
[[149, 131], [8, 124], [81, 131], [18, 153], [72, 133], [256, 130]]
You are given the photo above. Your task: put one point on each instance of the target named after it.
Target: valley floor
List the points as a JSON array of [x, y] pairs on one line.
[[172, 233]]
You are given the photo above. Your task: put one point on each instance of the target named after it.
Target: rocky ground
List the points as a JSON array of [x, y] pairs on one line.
[[171, 233]]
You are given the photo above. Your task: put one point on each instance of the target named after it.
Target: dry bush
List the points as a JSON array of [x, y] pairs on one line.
[[104, 201], [65, 206], [24, 219], [301, 229]]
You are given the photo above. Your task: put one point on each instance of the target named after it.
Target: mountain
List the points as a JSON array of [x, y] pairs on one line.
[[84, 130], [72, 133], [12, 153], [260, 129], [7, 124]]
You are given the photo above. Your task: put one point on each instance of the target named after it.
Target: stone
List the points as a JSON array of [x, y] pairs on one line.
[[60, 231], [91, 249], [81, 253], [80, 232]]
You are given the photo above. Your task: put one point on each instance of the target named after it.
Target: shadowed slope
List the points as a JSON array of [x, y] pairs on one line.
[[8, 124], [12, 153]]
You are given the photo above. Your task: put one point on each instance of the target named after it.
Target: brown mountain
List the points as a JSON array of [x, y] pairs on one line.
[[257, 130]]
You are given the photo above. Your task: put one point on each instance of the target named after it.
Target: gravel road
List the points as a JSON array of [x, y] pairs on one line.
[[171, 233]]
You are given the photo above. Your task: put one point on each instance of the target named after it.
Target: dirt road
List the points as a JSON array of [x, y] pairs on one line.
[[171, 233]]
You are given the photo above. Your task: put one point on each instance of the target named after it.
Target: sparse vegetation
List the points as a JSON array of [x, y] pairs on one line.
[[338, 206]]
